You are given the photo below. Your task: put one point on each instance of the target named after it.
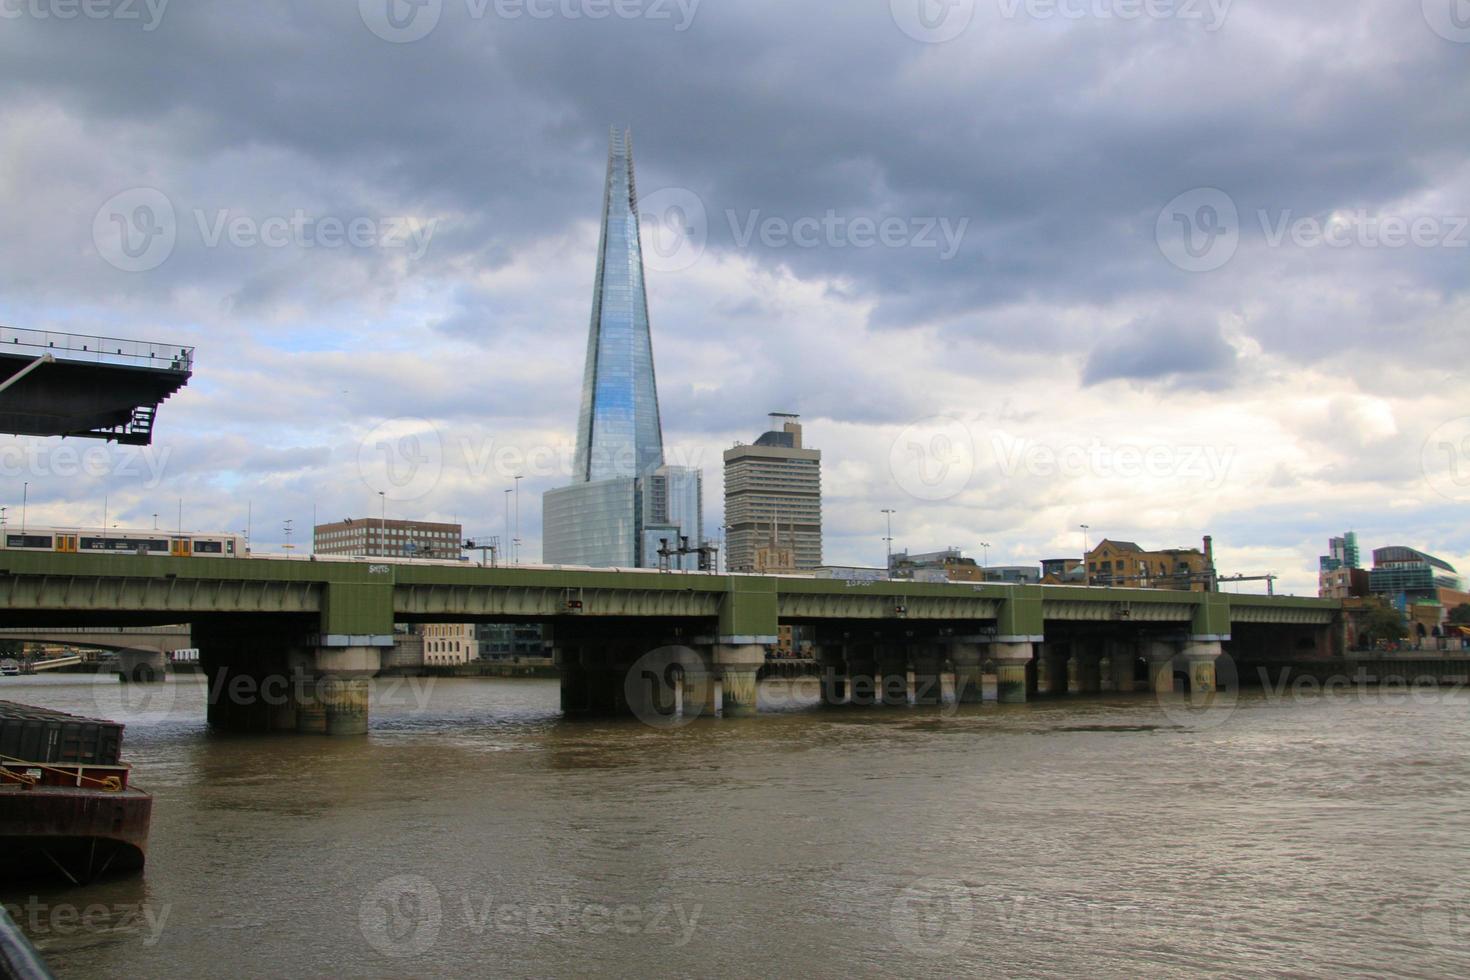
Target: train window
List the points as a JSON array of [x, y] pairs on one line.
[[208, 547], [28, 541]]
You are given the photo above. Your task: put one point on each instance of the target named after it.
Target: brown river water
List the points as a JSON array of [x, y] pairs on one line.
[[474, 832]]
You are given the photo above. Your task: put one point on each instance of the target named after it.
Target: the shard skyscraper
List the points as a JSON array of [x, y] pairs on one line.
[[624, 503]]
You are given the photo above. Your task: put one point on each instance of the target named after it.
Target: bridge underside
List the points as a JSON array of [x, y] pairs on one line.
[[86, 400]]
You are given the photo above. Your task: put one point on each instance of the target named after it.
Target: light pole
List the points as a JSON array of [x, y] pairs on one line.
[[155, 522], [383, 525], [515, 545], [985, 562], [25, 492], [286, 527], [1086, 578], [508, 536], [889, 512]]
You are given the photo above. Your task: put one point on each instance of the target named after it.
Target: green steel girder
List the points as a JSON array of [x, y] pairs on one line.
[[363, 597]]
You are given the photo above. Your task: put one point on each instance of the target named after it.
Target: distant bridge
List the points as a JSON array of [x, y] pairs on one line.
[[144, 639], [264, 618]]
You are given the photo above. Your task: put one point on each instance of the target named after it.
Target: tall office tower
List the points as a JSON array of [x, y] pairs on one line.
[[625, 505], [773, 501]]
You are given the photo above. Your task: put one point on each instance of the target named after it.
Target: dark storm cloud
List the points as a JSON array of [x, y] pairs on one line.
[[1155, 349]]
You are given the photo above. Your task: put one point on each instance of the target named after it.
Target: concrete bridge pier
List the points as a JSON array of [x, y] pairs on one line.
[[862, 673], [1011, 655], [1160, 654], [738, 663], [968, 655], [928, 660], [697, 690], [343, 675], [141, 666], [893, 675], [1118, 676], [832, 666], [1199, 654], [1051, 669]]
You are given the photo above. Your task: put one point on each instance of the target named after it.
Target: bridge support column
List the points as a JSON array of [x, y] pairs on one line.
[[1050, 669], [862, 673], [1200, 654], [738, 664], [698, 687], [833, 672], [1011, 654], [1160, 654], [968, 657], [141, 666], [343, 692], [1119, 674], [893, 671], [928, 661]]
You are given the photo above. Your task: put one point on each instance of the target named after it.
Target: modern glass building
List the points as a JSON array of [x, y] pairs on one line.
[[624, 503]]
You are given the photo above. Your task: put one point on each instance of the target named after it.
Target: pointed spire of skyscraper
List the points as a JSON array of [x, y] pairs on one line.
[[618, 428]]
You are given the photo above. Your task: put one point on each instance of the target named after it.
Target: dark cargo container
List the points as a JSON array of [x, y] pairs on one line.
[[41, 735]]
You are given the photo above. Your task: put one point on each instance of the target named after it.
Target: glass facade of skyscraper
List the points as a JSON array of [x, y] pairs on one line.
[[623, 502]]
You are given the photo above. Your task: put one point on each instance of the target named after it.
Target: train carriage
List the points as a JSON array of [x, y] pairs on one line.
[[121, 541]]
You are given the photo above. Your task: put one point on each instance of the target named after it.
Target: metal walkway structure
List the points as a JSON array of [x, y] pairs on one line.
[[60, 384]]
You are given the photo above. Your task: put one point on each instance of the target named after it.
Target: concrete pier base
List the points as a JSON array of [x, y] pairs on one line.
[[1011, 658], [968, 658], [1160, 654], [1120, 656], [893, 670], [141, 666], [928, 662], [1051, 671], [737, 664], [1199, 657]]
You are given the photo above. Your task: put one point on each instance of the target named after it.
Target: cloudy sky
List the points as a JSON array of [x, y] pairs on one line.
[[1161, 268]]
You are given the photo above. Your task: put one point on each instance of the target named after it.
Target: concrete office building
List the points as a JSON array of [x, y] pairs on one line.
[[773, 502]]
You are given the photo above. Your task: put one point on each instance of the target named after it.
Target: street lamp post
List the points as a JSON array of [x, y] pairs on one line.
[[889, 512], [1086, 578], [985, 562], [508, 536], [25, 492], [515, 545], [383, 525]]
